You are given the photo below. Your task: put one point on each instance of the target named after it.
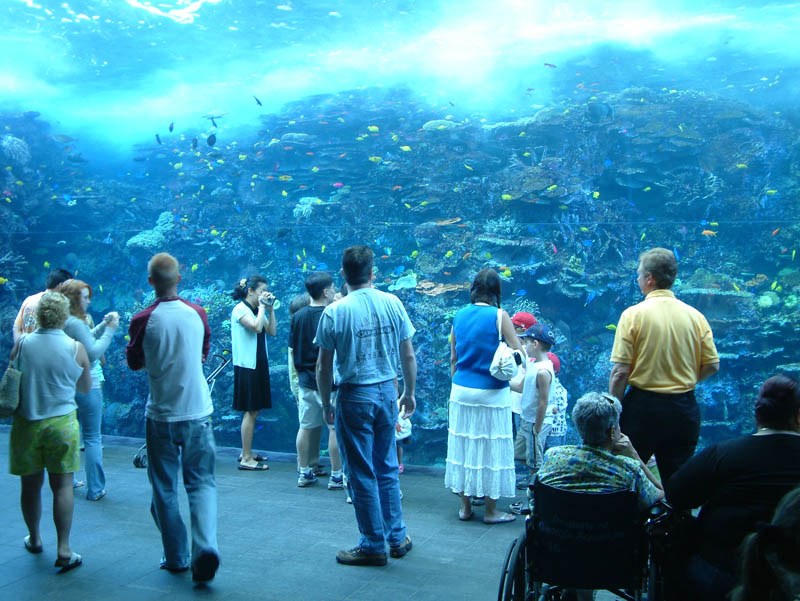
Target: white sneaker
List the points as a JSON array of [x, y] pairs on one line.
[[306, 479]]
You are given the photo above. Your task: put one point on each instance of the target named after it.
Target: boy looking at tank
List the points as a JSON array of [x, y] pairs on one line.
[[536, 391], [304, 354]]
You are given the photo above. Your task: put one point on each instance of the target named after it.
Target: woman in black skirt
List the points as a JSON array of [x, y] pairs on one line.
[[249, 327]]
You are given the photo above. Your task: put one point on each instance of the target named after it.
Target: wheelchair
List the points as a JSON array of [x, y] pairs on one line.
[[576, 540]]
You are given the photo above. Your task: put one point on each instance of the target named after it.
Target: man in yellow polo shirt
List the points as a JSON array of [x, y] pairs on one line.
[[662, 349]]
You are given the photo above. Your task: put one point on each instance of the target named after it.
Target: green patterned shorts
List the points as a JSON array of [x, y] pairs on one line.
[[52, 444]]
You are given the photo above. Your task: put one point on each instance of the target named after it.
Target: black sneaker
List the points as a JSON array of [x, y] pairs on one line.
[[204, 568], [359, 557], [401, 549]]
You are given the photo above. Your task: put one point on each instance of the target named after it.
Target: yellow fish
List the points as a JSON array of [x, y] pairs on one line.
[[299, 258], [127, 338], [376, 159], [3, 281], [220, 162], [304, 253], [611, 327], [741, 166], [414, 254], [223, 234], [177, 166], [314, 169], [242, 157], [642, 238], [595, 194], [46, 264], [395, 137], [285, 178], [405, 148], [551, 188], [340, 120], [284, 193], [194, 267], [487, 255], [793, 253], [322, 250], [735, 287], [101, 287], [771, 192], [255, 176], [226, 352], [19, 182], [584, 229], [468, 167], [448, 254], [522, 134], [779, 288], [714, 224], [424, 203], [506, 273], [647, 189], [526, 154], [292, 122], [506, 197], [408, 206], [774, 285], [305, 267], [563, 207], [374, 129], [214, 233]]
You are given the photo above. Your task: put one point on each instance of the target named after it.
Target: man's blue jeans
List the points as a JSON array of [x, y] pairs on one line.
[[188, 445], [90, 416], [365, 422]]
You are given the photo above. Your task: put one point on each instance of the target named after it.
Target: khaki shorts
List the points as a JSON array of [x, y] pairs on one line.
[[310, 409], [52, 444]]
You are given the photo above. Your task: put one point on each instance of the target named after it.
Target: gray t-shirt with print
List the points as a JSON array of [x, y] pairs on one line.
[[365, 328]]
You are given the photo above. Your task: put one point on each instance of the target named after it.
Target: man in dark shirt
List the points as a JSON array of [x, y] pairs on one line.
[[304, 352]]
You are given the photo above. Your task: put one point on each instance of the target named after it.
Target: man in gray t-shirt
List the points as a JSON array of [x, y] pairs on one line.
[[368, 330]]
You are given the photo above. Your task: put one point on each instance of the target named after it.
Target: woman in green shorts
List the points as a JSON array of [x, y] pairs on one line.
[[44, 433]]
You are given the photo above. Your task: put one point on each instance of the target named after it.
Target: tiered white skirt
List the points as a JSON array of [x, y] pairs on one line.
[[480, 445]]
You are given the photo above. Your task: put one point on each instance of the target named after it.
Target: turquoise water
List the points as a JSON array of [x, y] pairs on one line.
[[553, 142]]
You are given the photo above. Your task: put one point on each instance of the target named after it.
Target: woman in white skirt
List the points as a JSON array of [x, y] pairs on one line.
[[480, 446]]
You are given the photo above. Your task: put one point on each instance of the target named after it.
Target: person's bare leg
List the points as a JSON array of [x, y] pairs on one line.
[[63, 502], [305, 450], [313, 446], [248, 427], [399, 446], [491, 514], [466, 507], [30, 501], [333, 451]]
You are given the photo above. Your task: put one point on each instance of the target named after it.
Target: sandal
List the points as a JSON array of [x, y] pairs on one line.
[[465, 517], [31, 548], [258, 467], [256, 457], [68, 563], [503, 519]]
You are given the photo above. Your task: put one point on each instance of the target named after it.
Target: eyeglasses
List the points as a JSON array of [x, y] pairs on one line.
[[609, 397]]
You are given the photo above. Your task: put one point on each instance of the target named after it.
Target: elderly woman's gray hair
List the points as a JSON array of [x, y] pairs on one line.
[[593, 415], [52, 311]]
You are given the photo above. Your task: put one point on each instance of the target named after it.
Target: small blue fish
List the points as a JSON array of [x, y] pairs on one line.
[[67, 198], [590, 297], [238, 208], [322, 267], [608, 162], [398, 270], [521, 292], [704, 222], [108, 239], [675, 252], [588, 243]]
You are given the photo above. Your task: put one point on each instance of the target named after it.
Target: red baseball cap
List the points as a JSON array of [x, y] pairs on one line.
[[556, 361], [523, 319]]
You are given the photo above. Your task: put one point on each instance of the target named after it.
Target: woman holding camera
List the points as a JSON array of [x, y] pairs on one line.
[[251, 320]]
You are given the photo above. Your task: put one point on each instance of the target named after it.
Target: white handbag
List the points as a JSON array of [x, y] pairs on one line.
[[504, 364]]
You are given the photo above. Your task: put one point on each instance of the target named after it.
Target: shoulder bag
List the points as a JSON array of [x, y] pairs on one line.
[[504, 364], [10, 387]]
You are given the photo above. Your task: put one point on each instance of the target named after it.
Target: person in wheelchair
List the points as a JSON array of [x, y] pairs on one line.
[[606, 461]]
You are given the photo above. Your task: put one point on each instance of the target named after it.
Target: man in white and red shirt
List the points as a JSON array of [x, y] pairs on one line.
[[170, 339]]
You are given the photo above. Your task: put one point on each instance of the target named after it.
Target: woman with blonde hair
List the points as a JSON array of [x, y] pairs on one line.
[[44, 431], [96, 340]]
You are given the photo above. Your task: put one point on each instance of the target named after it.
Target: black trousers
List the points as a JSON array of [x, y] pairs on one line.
[[667, 425]]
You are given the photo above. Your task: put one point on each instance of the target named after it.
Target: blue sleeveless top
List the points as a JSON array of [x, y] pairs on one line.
[[475, 329]]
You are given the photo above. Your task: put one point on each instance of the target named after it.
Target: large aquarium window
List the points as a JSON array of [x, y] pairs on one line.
[[553, 142]]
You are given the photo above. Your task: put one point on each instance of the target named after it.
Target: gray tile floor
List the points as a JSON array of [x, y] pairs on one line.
[[277, 541]]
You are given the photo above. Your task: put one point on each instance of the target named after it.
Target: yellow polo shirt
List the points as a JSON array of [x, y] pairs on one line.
[[665, 341]]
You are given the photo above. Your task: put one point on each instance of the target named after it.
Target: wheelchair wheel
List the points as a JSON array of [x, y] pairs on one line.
[[514, 580]]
